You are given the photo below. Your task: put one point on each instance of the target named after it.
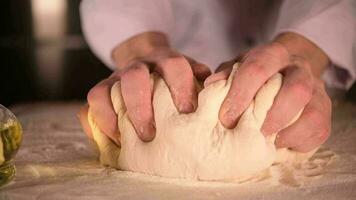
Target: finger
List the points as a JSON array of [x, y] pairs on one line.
[[312, 128], [178, 74], [99, 100], [221, 75], [137, 95], [200, 70], [254, 71], [83, 118], [295, 93]]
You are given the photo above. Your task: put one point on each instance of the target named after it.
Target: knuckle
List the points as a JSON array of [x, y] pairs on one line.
[[303, 89], [278, 48], [320, 126], [171, 61], [315, 118], [300, 61], [135, 63], [137, 69], [306, 65], [259, 71], [323, 134], [97, 93]]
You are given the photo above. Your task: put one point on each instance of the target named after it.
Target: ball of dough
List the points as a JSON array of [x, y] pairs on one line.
[[196, 145]]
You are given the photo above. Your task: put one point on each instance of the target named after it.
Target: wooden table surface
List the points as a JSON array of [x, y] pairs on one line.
[[56, 161]]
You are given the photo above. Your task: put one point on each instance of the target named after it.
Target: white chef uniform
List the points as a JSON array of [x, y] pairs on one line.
[[213, 31]]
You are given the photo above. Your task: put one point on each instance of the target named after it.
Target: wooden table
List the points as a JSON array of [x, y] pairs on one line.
[[57, 162]]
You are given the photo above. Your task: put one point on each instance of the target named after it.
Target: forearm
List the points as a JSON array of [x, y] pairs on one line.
[[138, 46], [300, 46]]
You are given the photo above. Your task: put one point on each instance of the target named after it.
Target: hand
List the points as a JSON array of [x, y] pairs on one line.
[[301, 63], [177, 70]]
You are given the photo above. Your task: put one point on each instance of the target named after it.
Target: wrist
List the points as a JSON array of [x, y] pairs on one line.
[[138, 46], [300, 46]]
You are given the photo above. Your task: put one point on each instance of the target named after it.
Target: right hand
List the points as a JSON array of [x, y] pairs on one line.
[[177, 70]]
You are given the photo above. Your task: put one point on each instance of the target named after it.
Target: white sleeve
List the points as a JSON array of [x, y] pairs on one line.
[[331, 25], [107, 23]]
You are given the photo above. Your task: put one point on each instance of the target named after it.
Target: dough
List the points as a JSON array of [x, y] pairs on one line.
[[196, 145]]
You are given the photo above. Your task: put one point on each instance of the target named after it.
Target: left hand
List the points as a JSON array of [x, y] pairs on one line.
[[301, 62]]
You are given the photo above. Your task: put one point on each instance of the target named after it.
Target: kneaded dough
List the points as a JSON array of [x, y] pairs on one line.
[[196, 145]]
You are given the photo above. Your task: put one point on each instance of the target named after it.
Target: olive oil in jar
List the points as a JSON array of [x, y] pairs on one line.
[[10, 141]]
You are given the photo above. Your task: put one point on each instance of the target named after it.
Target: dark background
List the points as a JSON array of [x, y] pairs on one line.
[[44, 68], [34, 67]]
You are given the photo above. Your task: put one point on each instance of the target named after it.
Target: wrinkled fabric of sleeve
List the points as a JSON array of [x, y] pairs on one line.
[[331, 25], [107, 23]]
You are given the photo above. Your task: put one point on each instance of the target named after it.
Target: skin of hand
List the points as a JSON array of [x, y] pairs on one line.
[[136, 58], [301, 62]]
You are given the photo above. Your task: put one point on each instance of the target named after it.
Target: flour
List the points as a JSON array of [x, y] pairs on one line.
[[56, 161]]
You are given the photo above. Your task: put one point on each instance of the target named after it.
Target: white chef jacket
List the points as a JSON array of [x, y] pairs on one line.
[[214, 31]]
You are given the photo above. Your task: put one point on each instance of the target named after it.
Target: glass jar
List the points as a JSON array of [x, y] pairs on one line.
[[11, 137]]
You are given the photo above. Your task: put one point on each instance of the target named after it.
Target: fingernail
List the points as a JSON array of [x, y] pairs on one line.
[[229, 118], [186, 107], [147, 133]]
